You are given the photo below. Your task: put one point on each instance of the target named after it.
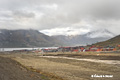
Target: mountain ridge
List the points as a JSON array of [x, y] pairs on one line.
[[111, 42], [26, 38], [34, 38], [85, 39], [100, 33]]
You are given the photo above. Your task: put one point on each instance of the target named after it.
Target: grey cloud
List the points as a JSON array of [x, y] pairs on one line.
[[107, 10], [48, 14], [24, 14]]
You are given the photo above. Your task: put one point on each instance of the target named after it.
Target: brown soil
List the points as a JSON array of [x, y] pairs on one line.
[[68, 69], [12, 70]]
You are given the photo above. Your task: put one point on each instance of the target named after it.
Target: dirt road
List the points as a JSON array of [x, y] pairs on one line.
[[90, 60]]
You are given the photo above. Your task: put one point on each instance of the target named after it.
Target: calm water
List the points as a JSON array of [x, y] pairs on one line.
[[11, 49]]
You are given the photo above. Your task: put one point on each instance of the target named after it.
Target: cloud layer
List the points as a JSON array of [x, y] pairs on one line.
[[60, 16]]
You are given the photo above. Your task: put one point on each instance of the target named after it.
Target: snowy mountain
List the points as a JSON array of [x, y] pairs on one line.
[[31, 38], [100, 33], [88, 38]]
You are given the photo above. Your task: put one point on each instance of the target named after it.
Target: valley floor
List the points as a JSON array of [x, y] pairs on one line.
[[69, 66]]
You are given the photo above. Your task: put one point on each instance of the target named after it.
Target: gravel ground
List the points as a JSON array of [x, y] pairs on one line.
[[11, 70], [70, 66]]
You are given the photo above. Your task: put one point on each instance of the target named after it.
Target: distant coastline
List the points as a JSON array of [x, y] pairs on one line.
[[12, 49]]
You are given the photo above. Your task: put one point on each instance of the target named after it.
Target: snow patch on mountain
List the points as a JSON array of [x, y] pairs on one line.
[[100, 33]]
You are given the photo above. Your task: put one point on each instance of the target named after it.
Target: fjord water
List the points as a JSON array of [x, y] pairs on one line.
[[11, 49]]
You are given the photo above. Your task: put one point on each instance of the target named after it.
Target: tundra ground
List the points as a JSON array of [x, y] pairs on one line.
[[70, 69]]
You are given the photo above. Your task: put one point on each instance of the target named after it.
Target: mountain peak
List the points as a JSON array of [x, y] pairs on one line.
[[100, 33]]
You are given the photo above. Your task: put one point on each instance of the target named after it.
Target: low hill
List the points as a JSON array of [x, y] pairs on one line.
[[26, 38], [111, 42]]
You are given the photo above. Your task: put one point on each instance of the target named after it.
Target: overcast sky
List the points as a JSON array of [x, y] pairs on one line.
[[61, 16]]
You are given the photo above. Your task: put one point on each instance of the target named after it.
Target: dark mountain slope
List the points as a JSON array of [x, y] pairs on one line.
[[111, 42], [26, 38]]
